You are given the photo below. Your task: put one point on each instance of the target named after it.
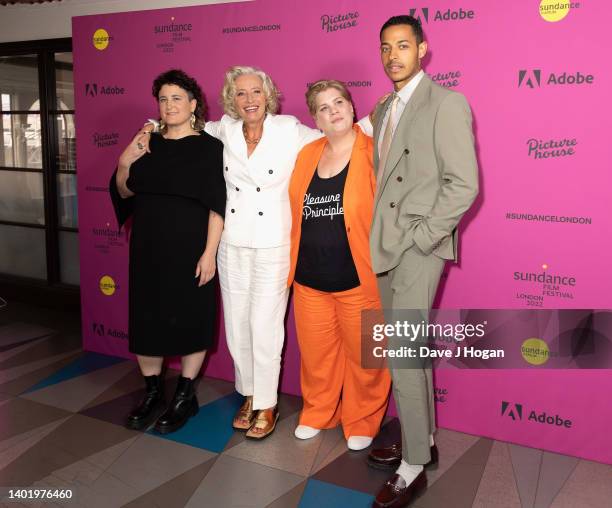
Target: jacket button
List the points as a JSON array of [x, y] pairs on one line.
[[260, 213], [392, 204], [399, 179], [225, 168], [237, 189], [258, 189], [406, 151], [270, 171], [232, 210]]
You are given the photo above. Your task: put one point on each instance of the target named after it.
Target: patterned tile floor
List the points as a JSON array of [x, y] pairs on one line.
[[61, 412]]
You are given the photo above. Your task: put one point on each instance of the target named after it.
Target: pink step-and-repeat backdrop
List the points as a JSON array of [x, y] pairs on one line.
[[538, 79]]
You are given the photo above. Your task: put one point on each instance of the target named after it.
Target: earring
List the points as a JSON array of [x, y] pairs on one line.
[[193, 121]]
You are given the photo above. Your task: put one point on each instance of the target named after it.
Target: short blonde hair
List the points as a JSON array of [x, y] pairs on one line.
[[322, 85], [229, 89]]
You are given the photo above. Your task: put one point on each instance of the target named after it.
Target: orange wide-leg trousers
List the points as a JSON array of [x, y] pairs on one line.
[[335, 388]]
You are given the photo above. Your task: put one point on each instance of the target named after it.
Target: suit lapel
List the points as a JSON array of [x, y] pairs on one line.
[[418, 99]]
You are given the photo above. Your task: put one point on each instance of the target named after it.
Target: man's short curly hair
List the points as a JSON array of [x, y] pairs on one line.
[[229, 89], [190, 85]]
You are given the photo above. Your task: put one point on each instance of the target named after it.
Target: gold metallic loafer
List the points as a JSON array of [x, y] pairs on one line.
[[265, 423], [244, 418]]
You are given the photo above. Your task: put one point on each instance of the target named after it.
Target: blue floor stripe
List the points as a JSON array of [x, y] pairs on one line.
[[211, 428], [85, 364], [318, 494]]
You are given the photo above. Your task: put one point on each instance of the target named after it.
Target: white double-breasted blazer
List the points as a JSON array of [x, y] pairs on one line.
[[258, 214]]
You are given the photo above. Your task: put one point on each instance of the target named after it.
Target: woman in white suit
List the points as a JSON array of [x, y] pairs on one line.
[[260, 152]]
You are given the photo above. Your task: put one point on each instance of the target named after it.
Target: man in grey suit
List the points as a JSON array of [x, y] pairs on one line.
[[427, 178]]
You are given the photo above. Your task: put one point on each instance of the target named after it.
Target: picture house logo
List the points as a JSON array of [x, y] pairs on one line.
[[515, 412], [447, 79], [105, 139], [107, 285], [440, 395], [532, 78], [101, 331], [333, 23], [556, 10], [550, 148], [423, 14], [95, 89], [547, 284], [172, 33], [101, 39]]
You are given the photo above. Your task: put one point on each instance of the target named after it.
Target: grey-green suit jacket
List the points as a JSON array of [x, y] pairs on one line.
[[430, 178]]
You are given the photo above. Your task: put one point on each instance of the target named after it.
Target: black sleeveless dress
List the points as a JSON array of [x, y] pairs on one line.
[[175, 187]]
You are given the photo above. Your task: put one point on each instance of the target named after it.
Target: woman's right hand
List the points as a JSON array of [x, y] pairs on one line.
[[137, 147]]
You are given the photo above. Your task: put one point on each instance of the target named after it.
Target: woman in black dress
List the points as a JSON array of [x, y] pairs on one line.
[[175, 193]]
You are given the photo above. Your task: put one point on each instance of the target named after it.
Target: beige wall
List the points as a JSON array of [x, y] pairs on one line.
[[52, 20]]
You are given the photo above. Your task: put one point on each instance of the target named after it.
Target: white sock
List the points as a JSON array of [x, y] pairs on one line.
[[359, 442], [431, 441], [305, 432], [409, 471]]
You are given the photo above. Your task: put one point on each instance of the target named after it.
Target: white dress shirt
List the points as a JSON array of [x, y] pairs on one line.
[[404, 96]]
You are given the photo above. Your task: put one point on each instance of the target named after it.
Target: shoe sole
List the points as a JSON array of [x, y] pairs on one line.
[[390, 467], [147, 423], [268, 434], [168, 429], [383, 467]]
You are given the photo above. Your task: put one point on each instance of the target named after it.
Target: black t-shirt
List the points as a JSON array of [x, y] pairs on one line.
[[324, 260]]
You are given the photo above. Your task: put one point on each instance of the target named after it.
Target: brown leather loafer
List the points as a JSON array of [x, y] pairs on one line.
[[396, 493], [391, 456], [245, 416], [265, 423]]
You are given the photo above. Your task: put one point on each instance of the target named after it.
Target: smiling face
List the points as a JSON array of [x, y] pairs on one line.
[[250, 98], [400, 53], [333, 113], [175, 107]]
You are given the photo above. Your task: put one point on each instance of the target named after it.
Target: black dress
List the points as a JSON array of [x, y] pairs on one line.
[[175, 187]]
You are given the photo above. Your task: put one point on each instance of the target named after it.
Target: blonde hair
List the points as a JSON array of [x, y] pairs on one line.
[[322, 85], [229, 89]]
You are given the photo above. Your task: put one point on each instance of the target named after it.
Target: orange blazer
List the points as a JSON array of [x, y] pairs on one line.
[[358, 204]]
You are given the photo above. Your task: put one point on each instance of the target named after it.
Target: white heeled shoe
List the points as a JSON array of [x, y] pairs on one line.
[[305, 432], [358, 442]]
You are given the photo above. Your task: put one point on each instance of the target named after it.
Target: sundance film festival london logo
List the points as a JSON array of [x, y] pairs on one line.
[[514, 412], [548, 284], [533, 78], [425, 14], [172, 33]]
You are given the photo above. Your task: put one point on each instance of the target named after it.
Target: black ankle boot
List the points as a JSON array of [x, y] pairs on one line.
[[150, 406], [183, 406]]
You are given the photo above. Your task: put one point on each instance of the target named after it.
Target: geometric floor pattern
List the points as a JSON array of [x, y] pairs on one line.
[[61, 427]]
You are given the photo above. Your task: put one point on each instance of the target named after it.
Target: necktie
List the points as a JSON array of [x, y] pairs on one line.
[[386, 141]]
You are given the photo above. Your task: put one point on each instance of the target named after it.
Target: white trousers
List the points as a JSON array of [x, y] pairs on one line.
[[254, 291]]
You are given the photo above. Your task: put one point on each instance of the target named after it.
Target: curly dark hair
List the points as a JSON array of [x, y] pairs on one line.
[[190, 85]]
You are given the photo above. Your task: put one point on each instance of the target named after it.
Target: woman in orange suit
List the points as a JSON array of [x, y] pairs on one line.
[[332, 194]]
